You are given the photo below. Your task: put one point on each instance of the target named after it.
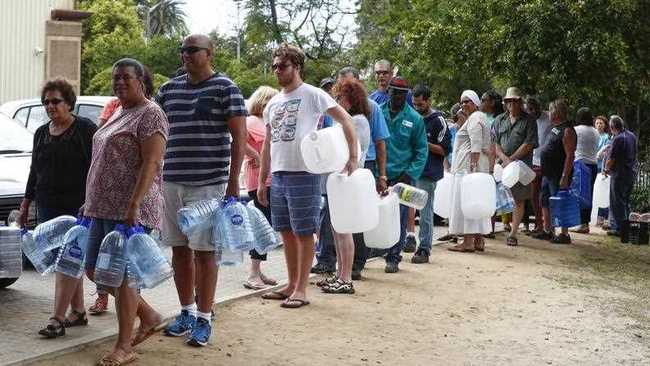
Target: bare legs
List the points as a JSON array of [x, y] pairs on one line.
[[182, 261], [68, 291], [344, 255], [299, 256], [517, 215]]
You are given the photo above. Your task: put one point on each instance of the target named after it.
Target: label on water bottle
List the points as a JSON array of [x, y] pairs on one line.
[[103, 260], [406, 194], [75, 254], [237, 220]]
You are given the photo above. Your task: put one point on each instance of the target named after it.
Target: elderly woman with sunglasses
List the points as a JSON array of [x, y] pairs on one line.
[[471, 154], [57, 182], [124, 186]]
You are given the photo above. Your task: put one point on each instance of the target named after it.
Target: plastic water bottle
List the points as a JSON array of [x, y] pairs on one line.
[[265, 238], [198, 216], [411, 196], [111, 261], [230, 257], [42, 260], [236, 224], [72, 256], [11, 258], [49, 235], [147, 262]]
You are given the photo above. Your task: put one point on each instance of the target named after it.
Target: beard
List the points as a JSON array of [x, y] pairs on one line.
[[286, 80]]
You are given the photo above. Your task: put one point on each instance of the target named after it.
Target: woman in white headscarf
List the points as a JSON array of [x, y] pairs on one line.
[[470, 154]]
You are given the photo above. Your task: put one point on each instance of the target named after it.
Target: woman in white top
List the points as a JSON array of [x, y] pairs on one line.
[[470, 154], [587, 153], [352, 96]]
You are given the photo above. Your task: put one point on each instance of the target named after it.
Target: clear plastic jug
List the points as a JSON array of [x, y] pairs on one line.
[[265, 238], [72, 256], [442, 196], [111, 260], [517, 172], [237, 231], [198, 216], [147, 262], [42, 260], [49, 235], [498, 172], [228, 257], [11, 258], [411, 196], [386, 233], [601, 191], [325, 150], [478, 196], [352, 201]]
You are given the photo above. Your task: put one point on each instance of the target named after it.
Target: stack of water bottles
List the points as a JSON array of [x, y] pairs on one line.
[[42, 246], [236, 228], [10, 255], [132, 251]]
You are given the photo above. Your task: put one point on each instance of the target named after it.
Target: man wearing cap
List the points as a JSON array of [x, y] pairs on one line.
[[515, 138], [407, 153], [383, 74]]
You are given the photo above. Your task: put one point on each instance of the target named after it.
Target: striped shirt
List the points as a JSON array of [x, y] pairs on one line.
[[198, 149]]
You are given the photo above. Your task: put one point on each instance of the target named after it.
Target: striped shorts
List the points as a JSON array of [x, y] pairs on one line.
[[295, 202]]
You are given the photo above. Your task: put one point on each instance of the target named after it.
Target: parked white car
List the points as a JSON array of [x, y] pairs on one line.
[[31, 113]]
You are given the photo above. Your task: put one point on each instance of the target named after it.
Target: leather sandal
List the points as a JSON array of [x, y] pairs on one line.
[[80, 319], [52, 330]]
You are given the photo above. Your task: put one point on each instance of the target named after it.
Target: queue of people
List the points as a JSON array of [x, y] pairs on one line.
[[153, 155]]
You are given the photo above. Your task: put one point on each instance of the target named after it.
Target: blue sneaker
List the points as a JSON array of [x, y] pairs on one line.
[[182, 325], [200, 333]]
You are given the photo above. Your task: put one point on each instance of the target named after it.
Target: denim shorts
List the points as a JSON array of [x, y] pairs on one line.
[[295, 202], [96, 233]]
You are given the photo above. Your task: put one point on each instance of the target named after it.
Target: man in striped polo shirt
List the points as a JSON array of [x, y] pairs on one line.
[[206, 111]]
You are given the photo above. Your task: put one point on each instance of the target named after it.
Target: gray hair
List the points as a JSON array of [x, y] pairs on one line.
[[349, 70], [617, 122], [560, 108], [384, 63]]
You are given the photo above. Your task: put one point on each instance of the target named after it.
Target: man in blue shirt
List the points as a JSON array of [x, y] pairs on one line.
[[383, 74], [407, 153], [439, 143]]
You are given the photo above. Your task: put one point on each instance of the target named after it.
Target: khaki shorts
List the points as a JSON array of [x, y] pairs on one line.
[[178, 196], [521, 192]]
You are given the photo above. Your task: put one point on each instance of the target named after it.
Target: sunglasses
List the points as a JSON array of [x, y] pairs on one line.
[[280, 67], [190, 49], [53, 101]]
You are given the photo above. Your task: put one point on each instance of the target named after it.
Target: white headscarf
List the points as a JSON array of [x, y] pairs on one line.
[[471, 95]]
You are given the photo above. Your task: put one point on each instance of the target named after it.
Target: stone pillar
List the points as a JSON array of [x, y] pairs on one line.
[[63, 51]]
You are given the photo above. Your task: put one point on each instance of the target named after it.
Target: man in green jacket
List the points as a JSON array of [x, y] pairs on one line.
[[406, 154]]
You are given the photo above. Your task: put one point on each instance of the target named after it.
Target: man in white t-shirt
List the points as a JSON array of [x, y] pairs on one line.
[[295, 193]]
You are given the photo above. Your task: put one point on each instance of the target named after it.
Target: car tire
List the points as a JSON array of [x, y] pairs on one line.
[[5, 282]]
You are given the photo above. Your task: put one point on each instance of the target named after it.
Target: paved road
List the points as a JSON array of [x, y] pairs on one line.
[[26, 305]]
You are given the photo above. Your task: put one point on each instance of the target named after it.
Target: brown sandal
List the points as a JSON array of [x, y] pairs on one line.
[[460, 248], [80, 319], [275, 295], [109, 360]]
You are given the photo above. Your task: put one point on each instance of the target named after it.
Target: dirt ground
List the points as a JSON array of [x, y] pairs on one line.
[[537, 304]]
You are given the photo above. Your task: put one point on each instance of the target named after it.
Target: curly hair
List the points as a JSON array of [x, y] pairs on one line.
[[291, 53], [356, 94], [605, 120], [62, 86]]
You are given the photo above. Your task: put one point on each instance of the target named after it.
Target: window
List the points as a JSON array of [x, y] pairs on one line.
[[21, 115], [37, 118], [89, 111]]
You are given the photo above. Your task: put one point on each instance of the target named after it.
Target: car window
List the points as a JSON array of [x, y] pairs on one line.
[[22, 115], [89, 111], [14, 138], [37, 118]]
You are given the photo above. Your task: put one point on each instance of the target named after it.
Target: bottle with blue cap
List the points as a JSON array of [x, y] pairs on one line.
[[148, 264], [72, 256], [237, 233], [49, 234], [111, 260], [198, 216], [42, 260]]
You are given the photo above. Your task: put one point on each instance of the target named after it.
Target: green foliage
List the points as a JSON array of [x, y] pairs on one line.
[[163, 18], [101, 84]]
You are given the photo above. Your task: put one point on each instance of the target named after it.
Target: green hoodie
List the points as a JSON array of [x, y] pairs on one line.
[[406, 148]]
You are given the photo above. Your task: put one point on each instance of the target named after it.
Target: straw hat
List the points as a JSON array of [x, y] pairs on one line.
[[512, 93]]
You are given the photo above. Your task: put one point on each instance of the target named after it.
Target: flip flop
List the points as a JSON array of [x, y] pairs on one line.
[[269, 281], [461, 249], [141, 336], [294, 303], [274, 295], [253, 286], [108, 360]]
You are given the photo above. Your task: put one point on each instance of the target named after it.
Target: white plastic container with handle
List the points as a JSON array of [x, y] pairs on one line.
[[478, 196], [325, 150], [442, 196], [386, 233], [352, 201]]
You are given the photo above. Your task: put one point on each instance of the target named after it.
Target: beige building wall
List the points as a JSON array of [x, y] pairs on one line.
[[23, 46]]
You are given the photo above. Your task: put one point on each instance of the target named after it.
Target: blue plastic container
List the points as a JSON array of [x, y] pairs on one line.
[[581, 184], [565, 209]]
